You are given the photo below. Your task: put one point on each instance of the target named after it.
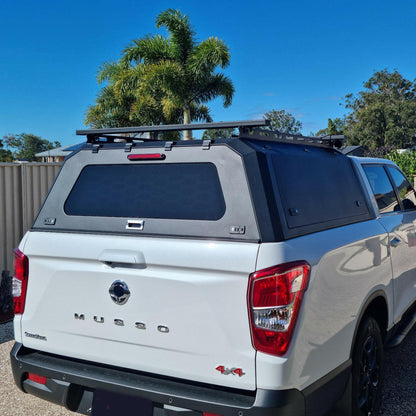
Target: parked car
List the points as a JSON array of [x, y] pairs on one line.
[[257, 275]]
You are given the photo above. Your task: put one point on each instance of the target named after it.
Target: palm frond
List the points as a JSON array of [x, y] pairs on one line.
[[200, 113], [165, 77], [181, 34], [207, 56], [108, 111], [171, 110], [109, 71], [149, 49], [216, 85], [128, 83]]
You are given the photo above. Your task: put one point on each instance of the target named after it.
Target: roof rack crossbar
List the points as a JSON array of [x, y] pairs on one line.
[[120, 132]]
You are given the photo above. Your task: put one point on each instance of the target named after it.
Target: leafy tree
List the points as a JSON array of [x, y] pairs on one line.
[[283, 121], [406, 161], [110, 109], [218, 134], [336, 126], [163, 79], [384, 113], [380, 152], [27, 145], [5, 155]]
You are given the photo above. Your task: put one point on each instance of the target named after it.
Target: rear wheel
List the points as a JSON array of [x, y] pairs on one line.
[[367, 369]]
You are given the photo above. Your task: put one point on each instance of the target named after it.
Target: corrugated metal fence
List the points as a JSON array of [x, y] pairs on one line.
[[23, 187]]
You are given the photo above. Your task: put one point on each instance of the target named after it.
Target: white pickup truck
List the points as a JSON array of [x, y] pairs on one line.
[[260, 275]]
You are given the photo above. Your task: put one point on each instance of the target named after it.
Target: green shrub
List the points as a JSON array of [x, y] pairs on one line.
[[406, 161]]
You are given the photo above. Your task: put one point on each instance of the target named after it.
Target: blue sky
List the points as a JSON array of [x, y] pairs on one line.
[[301, 56]]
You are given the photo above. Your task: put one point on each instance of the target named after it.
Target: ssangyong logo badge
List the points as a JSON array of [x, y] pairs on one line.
[[119, 292]]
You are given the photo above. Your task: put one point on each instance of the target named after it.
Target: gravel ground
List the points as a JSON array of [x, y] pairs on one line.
[[13, 402], [399, 396]]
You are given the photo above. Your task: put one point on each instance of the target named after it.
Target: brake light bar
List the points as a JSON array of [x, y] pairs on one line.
[[149, 156]]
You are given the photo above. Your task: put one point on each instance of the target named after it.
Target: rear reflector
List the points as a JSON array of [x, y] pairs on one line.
[[274, 299], [209, 414], [149, 156], [19, 281], [36, 378]]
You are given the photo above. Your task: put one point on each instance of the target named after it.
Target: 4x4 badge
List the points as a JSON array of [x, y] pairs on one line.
[[119, 292], [227, 371]]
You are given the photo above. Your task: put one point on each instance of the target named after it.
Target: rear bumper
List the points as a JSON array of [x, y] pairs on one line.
[[71, 383]]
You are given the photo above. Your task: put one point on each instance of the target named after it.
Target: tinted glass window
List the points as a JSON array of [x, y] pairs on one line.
[[317, 186], [189, 191], [382, 188], [406, 192]]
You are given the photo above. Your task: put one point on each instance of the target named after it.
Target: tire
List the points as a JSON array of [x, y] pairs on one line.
[[367, 369]]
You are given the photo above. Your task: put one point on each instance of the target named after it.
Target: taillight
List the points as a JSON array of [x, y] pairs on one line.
[[274, 297], [19, 281]]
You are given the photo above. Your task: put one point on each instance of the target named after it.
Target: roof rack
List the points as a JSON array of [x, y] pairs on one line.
[[332, 141], [247, 129], [94, 135]]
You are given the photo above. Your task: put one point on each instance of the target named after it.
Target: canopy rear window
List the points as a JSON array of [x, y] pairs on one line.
[[187, 191]]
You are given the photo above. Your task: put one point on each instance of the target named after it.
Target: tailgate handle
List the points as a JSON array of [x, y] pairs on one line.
[[135, 225], [123, 258]]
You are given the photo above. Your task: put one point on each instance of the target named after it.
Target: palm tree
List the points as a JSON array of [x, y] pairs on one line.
[[167, 79], [119, 102], [111, 109]]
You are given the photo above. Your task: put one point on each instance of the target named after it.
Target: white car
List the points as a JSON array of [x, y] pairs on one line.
[[258, 275]]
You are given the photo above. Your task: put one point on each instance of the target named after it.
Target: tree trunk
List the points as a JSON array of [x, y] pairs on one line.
[[187, 134]]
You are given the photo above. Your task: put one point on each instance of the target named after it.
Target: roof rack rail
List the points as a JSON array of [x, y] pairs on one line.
[[94, 135], [250, 129], [332, 141]]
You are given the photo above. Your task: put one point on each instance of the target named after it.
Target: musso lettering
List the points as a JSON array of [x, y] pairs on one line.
[[120, 322]]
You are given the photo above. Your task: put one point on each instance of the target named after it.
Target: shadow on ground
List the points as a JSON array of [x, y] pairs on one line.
[[6, 299], [399, 392]]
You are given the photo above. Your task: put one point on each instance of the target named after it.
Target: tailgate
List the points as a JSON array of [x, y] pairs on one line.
[[186, 314]]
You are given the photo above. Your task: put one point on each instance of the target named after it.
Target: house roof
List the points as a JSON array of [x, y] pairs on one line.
[[353, 150], [59, 151]]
